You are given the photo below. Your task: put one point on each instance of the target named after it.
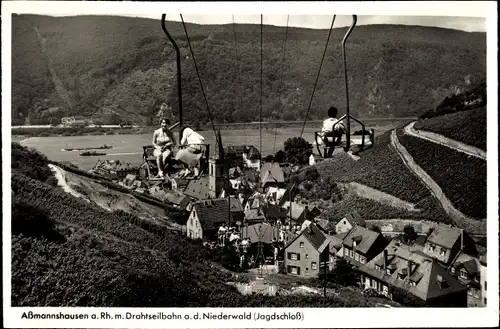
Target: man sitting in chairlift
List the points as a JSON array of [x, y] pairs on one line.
[[332, 130]]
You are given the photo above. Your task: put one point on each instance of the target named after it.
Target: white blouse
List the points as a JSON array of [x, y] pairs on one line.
[[190, 137]]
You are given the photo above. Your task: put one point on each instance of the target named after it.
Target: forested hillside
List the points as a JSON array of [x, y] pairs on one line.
[[117, 69]]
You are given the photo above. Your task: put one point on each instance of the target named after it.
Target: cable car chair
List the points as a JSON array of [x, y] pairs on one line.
[[149, 168], [362, 139]]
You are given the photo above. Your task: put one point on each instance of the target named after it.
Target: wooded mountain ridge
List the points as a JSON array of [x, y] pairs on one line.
[[114, 69]]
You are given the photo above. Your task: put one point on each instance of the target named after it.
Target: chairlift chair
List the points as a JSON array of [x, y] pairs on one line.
[[361, 140]]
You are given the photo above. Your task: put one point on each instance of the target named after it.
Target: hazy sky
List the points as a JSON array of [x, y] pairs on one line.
[[462, 15], [470, 24]]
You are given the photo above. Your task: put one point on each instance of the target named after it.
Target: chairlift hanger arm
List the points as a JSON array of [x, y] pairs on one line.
[[178, 60], [348, 134]]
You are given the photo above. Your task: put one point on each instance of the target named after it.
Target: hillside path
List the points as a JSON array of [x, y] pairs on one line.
[[445, 141], [471, 225]]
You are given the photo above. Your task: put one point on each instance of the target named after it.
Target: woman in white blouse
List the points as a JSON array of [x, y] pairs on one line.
[[191, 149]]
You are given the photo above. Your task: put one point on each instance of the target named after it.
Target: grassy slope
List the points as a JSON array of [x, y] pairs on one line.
[[115, 63], [67, 252], [468, 127], [461, 177]]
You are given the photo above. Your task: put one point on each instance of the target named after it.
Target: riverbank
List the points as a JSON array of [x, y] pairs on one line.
[[48, 131]]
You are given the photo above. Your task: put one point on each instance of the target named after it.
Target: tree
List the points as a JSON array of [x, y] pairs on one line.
[[344, 274], [280, 156], [230, 259], [297, 150], [409, 234], [269, 158], [178, 216]]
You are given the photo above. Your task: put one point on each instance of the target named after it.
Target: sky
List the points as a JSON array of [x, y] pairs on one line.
[[468, 16], [469, 24]]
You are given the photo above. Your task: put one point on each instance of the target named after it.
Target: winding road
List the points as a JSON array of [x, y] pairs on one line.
[[445, 141], [473, 225]]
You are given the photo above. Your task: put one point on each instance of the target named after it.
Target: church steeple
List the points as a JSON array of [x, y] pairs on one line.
[[218, 169]]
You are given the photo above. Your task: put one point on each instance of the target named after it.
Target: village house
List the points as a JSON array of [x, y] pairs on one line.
[[254, 215], [177, 200], [275, 214], [114, 169], [237, 211], [348, 222], [274, 194], [471, 272], [400, 271], [76, 121], [198, 189], [178, 184], [249, 154], [256, 201], [360, 245], [297, 213], [446, 241], [265, 234], [251, 157], [206, 217], [271, 174], [306, 251]]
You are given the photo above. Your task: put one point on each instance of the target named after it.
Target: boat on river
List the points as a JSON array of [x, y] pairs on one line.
[[102, 147], [91, 153]]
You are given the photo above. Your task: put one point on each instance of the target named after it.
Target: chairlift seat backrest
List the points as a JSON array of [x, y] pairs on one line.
[[148, 152]]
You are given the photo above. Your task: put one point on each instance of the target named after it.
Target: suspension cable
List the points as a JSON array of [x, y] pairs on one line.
[[199, 79], [260, 116], [282, 75], [238, 69], [317, 76]]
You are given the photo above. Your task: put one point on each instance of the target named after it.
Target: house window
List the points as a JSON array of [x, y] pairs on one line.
[[485, 301], [463, 274], [294, 270], [293, 256], [442, 252], [356, 256], [374, 284], [385, 289], [302, 244], [413, 283], [351, 253], [388, 272], [345, 222], [362, 259], [314, 265], [476, 293], [470, 291], [485, 285], [307, 256], [452, 270], [378, 267], [431, 247]]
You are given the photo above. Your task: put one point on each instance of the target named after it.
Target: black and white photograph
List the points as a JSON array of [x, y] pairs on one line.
[[215, 156]]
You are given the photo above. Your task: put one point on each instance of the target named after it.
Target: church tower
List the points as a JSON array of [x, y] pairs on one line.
[[217, 170]]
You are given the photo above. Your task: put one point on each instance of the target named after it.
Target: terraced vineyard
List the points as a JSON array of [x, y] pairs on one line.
[[461, 177], [468, 127], [369, 209], [379, 168]]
